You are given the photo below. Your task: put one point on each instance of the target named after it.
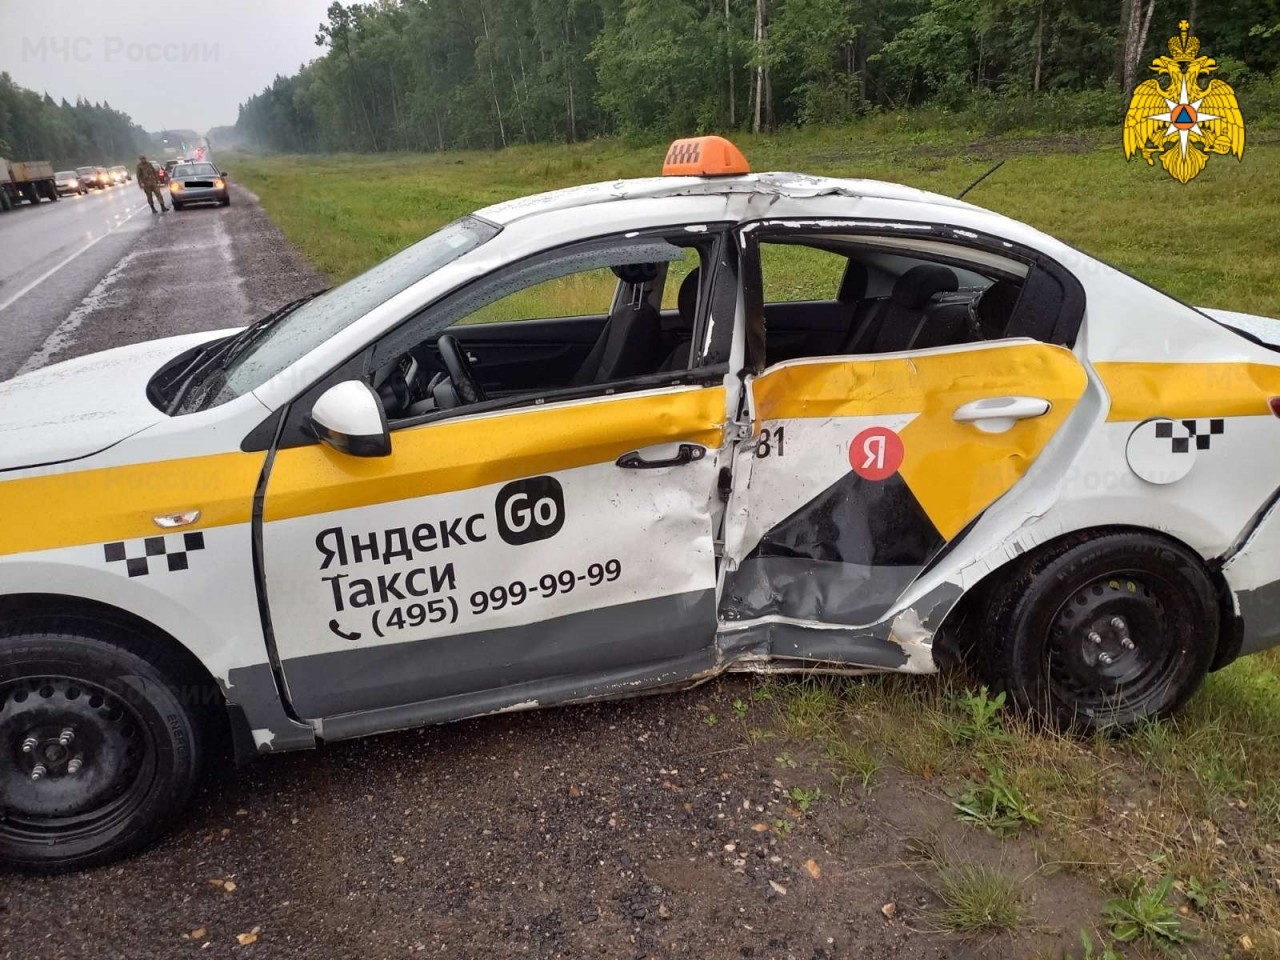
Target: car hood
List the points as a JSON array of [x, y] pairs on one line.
[[80, 407], [1264, 329]]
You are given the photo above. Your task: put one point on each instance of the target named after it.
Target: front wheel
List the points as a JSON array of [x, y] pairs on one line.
[[1102, 633], [97, 750]]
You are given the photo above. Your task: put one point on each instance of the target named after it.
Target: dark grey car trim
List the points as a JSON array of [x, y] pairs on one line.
[[623, 682], [576, 651], [1260, 611]]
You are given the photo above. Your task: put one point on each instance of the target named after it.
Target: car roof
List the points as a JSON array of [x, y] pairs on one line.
[[774, 184]]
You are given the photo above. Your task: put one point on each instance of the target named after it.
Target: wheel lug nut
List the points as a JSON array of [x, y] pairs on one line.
[[66, 736], [29, 744], [1095, 637], [1126, 643], [1118, 623], [38, 771], [74, 765], [1104, 658]]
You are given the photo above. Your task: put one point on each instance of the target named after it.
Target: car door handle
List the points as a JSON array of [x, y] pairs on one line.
[[998, 414], [688, 453]]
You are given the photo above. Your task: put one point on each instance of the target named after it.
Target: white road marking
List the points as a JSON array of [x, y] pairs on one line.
[[54, 269], [61, 335]]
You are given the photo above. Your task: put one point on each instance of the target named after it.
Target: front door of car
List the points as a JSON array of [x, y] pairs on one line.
[[864, 468], [549, 546], [495, 552]]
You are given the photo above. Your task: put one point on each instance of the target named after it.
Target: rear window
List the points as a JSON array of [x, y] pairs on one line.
[[65, 174], [195, 170]]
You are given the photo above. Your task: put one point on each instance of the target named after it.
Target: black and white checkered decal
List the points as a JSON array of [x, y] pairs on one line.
[[137, 555], [1201, 431], [1164, 451]]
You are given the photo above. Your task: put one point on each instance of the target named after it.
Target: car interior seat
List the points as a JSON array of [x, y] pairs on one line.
[[895, 324], [631, 339]]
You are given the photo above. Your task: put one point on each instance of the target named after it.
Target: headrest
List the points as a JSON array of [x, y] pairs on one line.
[[636, 272], [914, 288]]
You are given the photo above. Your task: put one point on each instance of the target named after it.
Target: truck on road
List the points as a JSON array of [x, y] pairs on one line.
[[30, 180]]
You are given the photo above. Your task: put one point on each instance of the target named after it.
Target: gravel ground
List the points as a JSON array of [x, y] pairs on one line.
[[629, 830]]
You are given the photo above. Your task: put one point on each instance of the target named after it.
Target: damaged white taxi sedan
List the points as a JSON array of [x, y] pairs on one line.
[[587, 444]]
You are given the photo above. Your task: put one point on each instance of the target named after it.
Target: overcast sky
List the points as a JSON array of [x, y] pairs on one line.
[[167, 64]]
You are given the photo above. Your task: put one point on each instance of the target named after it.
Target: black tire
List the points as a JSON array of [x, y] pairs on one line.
[[176, 205], [1050, 639], [139, 746], [226, 201]]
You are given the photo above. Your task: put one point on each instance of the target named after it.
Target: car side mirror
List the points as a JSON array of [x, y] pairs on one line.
[[350, 418]]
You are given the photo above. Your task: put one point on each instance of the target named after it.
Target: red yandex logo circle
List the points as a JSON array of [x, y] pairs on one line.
[[876, 453]]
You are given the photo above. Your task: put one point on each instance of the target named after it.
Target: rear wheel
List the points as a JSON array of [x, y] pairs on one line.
[[97, 750], [176, 205], [1104, 632], [226, 201]]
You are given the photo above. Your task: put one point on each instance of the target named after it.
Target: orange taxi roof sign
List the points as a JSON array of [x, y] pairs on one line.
[[703, 157]]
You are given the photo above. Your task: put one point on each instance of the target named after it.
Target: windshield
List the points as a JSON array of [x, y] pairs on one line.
[[300, 332], [84, 171], [66, 174]]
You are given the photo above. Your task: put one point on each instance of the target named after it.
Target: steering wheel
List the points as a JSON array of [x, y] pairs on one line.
[[455, 360]]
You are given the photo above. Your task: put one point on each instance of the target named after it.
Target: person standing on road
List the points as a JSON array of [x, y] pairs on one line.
[[150, 184]]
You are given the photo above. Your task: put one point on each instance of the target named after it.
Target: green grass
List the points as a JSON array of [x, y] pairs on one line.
[[978, 898], [1195, 798], [1210, 243]]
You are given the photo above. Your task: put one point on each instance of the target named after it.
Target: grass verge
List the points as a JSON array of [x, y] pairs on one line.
[[1210, 243], [1178, 823]]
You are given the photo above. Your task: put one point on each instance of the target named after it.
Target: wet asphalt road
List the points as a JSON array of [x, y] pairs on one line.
[[88, 273], [53, 254]]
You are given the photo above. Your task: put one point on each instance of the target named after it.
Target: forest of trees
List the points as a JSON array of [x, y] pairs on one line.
[[439, 74], [34, 127]]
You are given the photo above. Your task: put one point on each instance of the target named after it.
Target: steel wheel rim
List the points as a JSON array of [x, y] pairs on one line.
[[114, 745], [1111, 648]]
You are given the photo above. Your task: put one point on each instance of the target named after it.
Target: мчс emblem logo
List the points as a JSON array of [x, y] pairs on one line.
[[529, 510], [1183, 122]]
